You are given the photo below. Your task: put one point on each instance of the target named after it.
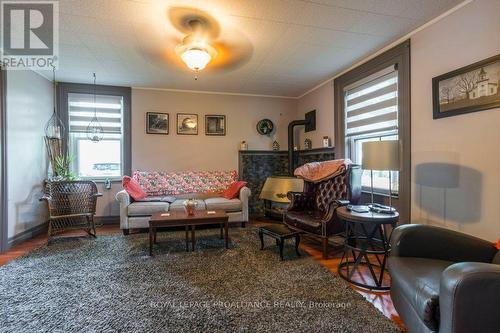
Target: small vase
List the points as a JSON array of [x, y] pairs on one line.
[[190, 206]]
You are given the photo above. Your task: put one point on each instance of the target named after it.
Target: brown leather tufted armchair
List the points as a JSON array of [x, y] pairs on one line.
[[313, 211]]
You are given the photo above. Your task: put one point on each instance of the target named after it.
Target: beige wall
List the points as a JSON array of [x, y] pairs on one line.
[[321, 100], [200, 152], [29, 106], [466, 146]]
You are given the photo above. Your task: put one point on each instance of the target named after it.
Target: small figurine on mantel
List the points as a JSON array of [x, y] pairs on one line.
[[243, 145], [326, 142], [276, 145], [307, 144]]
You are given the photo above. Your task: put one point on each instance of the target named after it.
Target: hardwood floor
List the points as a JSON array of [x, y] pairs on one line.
[[381, 300]]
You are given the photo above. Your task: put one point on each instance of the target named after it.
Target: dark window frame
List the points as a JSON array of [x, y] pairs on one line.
[[66, 88], [398, 56]]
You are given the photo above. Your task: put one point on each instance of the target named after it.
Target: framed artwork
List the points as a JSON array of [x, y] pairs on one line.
[[157, 123], [215, 125], [468, 89], [187, 124]]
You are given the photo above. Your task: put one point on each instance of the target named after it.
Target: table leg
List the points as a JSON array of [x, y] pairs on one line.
[[226, 231], [281, 243], [151, 241], [193, 239], [261, 236], [221, 230], [154, 236], [297, 242], [187, 238]]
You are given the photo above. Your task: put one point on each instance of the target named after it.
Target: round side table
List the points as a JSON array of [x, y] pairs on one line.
[[366, 244]]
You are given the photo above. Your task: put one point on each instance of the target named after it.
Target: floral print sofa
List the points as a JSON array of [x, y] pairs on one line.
[[167, 191]]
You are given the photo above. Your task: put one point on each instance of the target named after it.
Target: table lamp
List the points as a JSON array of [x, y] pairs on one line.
[[274, 192], [382, 156]]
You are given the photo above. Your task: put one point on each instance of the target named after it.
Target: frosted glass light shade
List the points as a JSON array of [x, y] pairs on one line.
[[381, 155], [196, 59]]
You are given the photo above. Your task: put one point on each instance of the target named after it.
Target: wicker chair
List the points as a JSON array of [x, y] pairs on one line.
[[71, 205]]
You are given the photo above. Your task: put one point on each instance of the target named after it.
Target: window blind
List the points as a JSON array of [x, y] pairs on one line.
[[81, 111], [371, 105]]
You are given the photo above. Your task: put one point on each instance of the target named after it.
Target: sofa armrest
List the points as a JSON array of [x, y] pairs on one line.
[[425, 241], [300, 201], [468, 298], [244, 196], [123, 198]]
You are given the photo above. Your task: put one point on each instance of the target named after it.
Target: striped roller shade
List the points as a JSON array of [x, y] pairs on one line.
[[81, 111], [372, 104]]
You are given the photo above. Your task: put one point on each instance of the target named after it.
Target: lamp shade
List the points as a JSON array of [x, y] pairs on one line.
[[276, 188], [381, 155]]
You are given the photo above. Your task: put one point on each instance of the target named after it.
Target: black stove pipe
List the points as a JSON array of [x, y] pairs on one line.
[[291, 159]]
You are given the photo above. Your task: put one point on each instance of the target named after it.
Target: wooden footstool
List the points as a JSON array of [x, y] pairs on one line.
[[280, 233]]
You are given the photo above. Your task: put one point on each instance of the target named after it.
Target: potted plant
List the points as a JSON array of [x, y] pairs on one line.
[[62, 168]]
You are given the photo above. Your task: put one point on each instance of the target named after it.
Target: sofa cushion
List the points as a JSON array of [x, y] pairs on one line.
[[305, 220], [417, 280], [233, 190], [178, 205], [232, 205], [147, 208], [168, 199], [133, 188]]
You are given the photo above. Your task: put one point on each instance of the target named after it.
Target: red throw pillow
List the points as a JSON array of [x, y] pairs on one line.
[[233, 190], [498, 244], [133, 188]]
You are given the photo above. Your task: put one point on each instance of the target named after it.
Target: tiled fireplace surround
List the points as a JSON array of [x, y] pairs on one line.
[[256, 165]]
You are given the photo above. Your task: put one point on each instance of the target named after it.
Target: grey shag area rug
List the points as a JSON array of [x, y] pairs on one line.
[[110, 284]]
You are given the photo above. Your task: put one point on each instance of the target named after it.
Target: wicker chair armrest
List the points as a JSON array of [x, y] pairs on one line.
[[45, 197]]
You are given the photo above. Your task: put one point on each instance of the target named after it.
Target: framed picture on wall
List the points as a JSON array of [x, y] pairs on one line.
[[157, 123], [215, 125], [468, 89], [187, 124]]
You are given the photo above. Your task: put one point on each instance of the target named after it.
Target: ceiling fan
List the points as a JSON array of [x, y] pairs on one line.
[[198, 41], [195, 49]]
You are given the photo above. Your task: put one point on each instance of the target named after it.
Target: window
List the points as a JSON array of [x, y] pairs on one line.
[[101, 159], [385, 115], [371, 114], [110, 157]]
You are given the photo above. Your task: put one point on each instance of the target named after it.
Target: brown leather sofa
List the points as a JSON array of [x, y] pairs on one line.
[[313, 211], [444, 281]]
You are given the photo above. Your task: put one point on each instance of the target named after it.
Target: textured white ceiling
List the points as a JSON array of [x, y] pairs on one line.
[[290, 45]]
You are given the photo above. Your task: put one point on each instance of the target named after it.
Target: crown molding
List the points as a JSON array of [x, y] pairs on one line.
[[208, 92]]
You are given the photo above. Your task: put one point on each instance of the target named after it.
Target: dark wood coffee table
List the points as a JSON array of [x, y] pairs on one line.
[[181, 219]]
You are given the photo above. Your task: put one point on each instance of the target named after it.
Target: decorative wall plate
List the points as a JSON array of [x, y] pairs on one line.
[[265, 127]]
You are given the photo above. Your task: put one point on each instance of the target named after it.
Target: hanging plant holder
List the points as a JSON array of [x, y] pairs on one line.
[[94, 129], [54, 133]]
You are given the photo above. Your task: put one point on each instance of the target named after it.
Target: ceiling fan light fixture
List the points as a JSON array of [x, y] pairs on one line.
[[196, 58]]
